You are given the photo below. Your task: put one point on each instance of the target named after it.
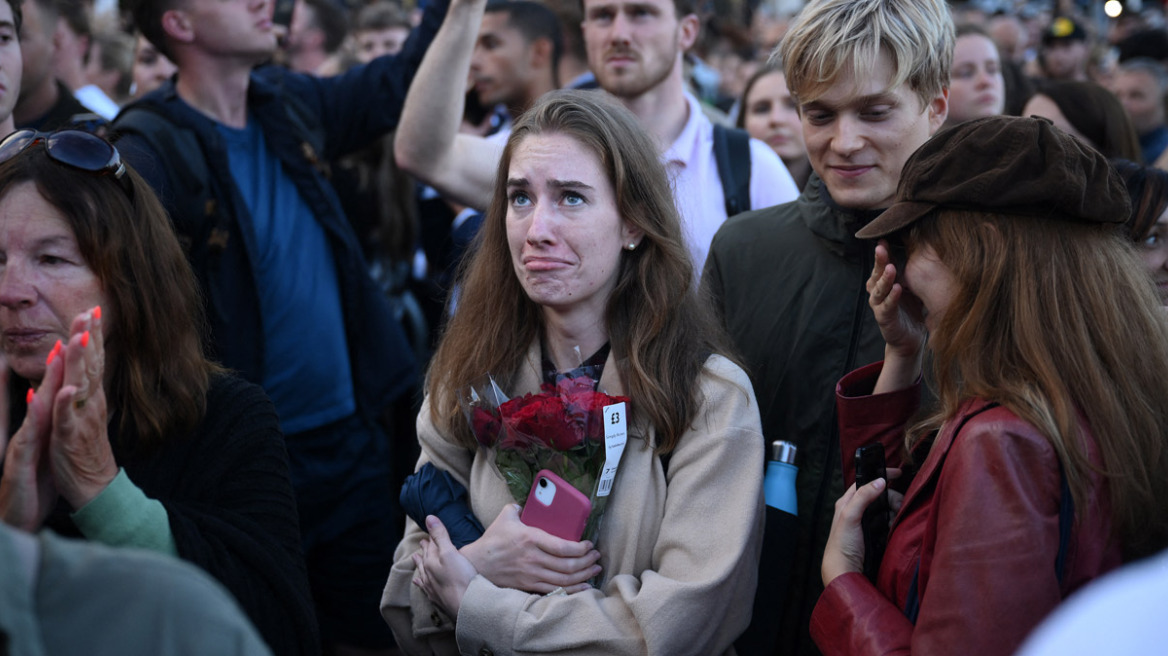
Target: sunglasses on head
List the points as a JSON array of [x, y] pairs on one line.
[[76, 148]]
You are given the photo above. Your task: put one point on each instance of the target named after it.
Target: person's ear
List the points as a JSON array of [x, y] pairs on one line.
[[631, 236], [177, 25], [687, 31], [541, 53], [938, 110], [60, 37]]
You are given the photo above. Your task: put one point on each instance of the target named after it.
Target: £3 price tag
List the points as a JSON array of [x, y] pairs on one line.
[[615, 435]]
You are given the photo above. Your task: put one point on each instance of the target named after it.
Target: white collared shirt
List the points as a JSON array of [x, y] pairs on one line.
[[697, 188]]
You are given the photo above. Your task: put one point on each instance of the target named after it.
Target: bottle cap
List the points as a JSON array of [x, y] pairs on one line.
[[783, 452]]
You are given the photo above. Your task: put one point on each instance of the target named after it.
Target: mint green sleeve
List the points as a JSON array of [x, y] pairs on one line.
[[123, 516]]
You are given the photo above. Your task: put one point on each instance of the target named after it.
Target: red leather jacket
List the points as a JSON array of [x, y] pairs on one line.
[[981, 518]]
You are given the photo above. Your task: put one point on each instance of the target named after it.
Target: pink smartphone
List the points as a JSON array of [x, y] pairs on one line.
[[556, 507]]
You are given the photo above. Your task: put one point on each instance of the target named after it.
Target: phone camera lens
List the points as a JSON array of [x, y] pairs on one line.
[[543, 482]]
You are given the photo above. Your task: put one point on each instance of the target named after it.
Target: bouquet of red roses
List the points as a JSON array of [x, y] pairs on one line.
[[561, 429]]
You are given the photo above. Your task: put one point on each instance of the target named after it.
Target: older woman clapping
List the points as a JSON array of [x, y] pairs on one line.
[[131, 436], [582, 248]]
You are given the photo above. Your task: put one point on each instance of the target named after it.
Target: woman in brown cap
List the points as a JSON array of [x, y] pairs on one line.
[[1042, 464]]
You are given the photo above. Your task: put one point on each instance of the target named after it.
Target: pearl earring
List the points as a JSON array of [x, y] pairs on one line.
[[631, 246]]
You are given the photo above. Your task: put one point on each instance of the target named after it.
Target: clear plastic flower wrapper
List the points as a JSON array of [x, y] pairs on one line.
[[561, 429]]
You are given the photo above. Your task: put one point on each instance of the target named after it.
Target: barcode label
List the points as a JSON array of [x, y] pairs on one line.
[[605, 488], [615, 436]]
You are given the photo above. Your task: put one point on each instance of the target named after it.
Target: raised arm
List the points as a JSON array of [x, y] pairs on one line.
[[899, 318], [428, 145]]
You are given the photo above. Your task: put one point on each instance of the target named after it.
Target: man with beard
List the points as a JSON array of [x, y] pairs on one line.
[[635, 48]]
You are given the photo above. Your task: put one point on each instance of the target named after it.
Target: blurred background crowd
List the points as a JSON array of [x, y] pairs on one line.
[[1097, 70]]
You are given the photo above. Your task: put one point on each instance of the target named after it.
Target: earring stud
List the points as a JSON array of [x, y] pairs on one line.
[[631, 246]]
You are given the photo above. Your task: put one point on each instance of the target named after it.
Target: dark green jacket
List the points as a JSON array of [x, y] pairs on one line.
[[788, 282]]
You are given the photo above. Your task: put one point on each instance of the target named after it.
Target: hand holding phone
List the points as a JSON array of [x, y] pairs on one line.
[[556, 507], [869, 467]]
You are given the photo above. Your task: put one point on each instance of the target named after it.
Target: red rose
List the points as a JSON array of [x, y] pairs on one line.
[[543, 418], [512, 406], [486, 425], [588, 407]]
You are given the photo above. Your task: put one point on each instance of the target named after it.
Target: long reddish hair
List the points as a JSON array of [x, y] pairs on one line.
[[1056, 320]]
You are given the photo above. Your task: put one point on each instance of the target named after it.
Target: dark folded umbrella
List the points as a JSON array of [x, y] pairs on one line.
[[431, 491], [774, 575]]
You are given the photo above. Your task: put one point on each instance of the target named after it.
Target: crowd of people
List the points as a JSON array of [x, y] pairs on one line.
[[253, 253]]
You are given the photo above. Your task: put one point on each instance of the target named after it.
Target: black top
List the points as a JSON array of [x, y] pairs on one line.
[[227, 493], [592, 367]]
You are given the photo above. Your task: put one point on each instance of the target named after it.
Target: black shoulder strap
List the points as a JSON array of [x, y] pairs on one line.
[[188, 175], [166, 139], [732, 153], [190, 194]]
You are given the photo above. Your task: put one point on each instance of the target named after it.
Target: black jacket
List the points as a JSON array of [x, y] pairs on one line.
[[788, 282], [228, 496], [306, 121]]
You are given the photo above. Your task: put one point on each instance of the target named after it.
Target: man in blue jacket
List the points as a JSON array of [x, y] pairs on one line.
[[238, 155]]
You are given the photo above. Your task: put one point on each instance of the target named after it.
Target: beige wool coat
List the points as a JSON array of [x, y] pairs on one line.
[[679, 557]]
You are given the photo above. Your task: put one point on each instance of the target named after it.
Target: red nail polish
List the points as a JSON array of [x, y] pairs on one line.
[[85, 339], [97, 312], [53, 353], [28, 397]]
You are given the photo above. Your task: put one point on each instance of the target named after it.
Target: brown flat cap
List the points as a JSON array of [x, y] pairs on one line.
[[1006, 165]]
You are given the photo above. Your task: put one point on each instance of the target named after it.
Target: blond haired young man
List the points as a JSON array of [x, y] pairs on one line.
[[871, 81]]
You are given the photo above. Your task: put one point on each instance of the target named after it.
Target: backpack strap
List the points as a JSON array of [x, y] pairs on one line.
[[188, 176], [912, 607], [732, 154]]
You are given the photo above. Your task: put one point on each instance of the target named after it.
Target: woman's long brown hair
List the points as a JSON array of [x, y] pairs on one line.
[[1057, 320], [660, 333], [159, 376]]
